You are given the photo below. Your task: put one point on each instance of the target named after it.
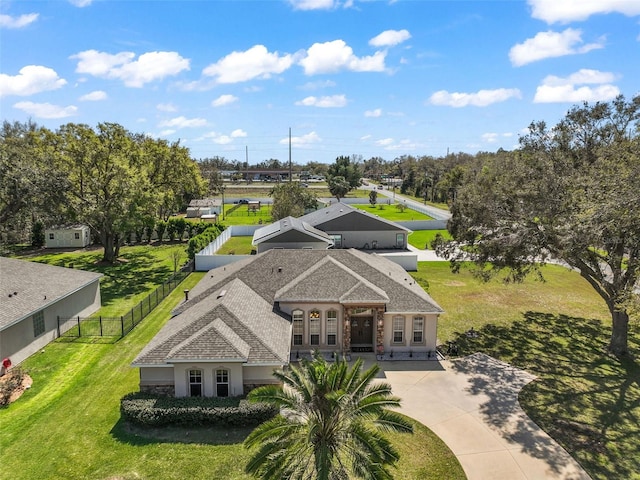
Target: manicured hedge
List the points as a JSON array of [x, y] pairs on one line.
[[203, 239], [153, 411]]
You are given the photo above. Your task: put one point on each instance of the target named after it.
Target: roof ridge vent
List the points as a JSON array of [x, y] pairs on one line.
[[221, 294]]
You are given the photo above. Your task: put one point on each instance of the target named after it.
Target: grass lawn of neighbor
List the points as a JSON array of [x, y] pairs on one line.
[[390, 212], [237, 246], [243, 216], [422, 238], [558, 330]]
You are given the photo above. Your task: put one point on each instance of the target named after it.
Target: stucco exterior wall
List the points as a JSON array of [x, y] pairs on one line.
[[18, 342], [367, 239], [181, 378], [430, 333]]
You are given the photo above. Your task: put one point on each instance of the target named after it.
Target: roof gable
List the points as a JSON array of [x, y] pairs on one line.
[[289, 229], [344, 217]]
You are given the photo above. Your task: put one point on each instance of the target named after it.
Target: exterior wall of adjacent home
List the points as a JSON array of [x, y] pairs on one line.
[[430, 333], [181, 377], [370, 240], [67, 237], [323, 308], [18, 342], [310, 245], [159, 380]]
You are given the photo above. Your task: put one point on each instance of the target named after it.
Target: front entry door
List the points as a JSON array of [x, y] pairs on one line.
[[361, 331]]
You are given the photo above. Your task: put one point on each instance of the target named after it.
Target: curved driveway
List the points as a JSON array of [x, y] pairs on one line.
[[472, 405]]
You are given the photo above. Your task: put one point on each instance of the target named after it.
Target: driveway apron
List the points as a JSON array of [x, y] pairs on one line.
[[472, 404]]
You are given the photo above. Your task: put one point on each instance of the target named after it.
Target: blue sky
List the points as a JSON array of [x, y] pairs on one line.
[[371, 78]]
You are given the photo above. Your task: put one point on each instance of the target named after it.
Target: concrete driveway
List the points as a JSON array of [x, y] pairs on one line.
[[472, 405]]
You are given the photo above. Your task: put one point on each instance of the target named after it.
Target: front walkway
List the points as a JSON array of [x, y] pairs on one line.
[[472, 405]]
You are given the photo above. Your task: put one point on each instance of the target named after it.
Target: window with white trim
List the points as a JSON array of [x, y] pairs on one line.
[[298, 326], [418, 329], [51, 236], [38, 323], [314, 327], [195, 383], [77, 236], [332, 327], [222, 382], [398, 329]]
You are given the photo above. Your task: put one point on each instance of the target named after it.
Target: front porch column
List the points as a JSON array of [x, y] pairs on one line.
[[379, 319], [346, 329]]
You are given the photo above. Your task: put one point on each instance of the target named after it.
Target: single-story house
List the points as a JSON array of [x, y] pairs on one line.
[[32, 296], [78, 236], [290, 232], [350, 227], [244, 320], [204, 206]]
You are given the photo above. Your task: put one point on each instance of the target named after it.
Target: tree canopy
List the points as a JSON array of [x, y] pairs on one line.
[[291, 200], [331, 424], [349, 170], [569, 194]]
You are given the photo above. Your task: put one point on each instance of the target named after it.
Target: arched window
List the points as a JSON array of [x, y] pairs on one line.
[[195, 383], [332, 327], [314, 327], [298, 327]]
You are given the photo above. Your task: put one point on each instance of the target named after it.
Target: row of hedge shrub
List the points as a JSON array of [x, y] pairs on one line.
[[154, 411], [203, 239]]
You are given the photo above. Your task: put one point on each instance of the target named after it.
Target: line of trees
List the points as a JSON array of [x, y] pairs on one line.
[[111, 179]]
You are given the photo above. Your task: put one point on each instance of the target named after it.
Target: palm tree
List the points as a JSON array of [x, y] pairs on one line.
[[330, 425]]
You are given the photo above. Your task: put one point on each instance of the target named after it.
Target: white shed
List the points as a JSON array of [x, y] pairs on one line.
[[64, 237]]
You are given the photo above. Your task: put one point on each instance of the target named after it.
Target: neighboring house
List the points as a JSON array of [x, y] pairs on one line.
[[350, 227], [32, 296], [69, 236], [205, 206], [244, 320], [290, 232]]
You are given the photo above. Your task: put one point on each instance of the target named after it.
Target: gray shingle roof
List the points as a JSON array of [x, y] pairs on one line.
[[231, 323], [37, 286], [345, 217], [287, 224]]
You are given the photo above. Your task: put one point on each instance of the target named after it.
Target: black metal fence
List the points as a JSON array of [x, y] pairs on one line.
[[98, 326]]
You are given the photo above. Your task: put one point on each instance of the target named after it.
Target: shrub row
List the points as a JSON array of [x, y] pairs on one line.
[[154, 411], [203, 239]]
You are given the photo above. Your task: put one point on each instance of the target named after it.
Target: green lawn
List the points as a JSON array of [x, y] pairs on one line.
[[140, 271], [422, 238], [243, 216], [558, 330], [237, 246], [390, 212]]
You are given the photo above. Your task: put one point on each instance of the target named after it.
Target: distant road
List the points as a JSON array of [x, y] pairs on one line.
[[437, 213]]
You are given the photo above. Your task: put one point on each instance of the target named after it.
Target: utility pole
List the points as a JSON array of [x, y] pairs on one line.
[[290, 168]]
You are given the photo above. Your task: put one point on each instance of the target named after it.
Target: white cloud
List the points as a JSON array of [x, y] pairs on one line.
[[550, 45], [94, 96], [166, 107], [332, 101], [81, 3], [373, 113], [183, 122], [147, 68], [238, 133], [575, 88], [482, 98], [31, 79], [564, 11], [494, 137], [302, 141], [224, 100], [313, 4], [331, 57], [385, 142], [257, 62], [46, 110], [318, 85], [7, 21], [389, 38]]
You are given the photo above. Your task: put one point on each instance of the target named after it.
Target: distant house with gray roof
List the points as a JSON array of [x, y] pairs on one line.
[[350, 227], [290, 232], [244, 320], [32, 296]]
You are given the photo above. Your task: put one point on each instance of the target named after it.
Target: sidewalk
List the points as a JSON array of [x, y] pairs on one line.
[[472, 405]]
